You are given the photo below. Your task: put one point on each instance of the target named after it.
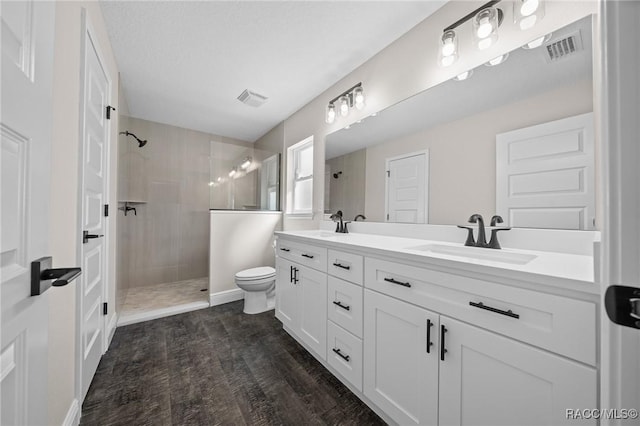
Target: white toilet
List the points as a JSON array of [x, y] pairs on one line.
[[259, 285]]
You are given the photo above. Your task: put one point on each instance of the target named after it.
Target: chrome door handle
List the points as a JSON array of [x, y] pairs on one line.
[[86, 236]]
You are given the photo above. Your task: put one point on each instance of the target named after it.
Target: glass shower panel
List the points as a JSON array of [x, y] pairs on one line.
[[243, 178]]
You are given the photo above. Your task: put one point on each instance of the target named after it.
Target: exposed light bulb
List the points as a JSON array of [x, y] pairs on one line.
[[211, 183], [347, 127], [484, 29], [529, 7], [358, 97], [373, 114], [344, 106], [448, 43], [498, 60], [331, 114], [232, 172], [219, 179], [465, 75], [528, 22], [485, 43]]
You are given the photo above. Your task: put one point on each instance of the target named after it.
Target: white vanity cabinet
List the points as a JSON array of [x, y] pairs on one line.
[[401, 359], [301, 294], [438, 345]]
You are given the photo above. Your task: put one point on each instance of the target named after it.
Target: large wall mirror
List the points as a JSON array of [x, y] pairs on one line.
[[514, 138]]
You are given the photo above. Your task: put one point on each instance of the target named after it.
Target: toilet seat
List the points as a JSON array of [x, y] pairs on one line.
[[256, 274]]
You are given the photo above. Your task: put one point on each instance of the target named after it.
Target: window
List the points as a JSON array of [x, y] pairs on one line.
[[300, 168]]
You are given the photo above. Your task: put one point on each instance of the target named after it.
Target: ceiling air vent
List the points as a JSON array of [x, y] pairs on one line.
[[564, 47], [251, 98]]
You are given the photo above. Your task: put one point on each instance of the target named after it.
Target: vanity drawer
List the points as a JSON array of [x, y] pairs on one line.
[[344, 353], [347, 266], [345, 305], [559, 324], [312, 256]]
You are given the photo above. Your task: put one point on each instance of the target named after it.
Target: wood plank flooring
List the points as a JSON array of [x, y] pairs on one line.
[[216, 366]]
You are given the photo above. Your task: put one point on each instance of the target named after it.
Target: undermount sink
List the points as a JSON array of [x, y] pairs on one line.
[[477, 253]]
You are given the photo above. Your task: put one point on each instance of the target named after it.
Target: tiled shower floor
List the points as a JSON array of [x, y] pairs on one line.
[[159, 297]]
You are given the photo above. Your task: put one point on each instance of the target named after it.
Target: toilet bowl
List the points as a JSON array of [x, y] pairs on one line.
[[259, 285]]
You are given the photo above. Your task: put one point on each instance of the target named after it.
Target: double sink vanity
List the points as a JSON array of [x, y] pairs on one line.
[[433, 332]]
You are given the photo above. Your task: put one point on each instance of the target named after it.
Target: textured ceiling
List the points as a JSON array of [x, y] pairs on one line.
[[185, 63]]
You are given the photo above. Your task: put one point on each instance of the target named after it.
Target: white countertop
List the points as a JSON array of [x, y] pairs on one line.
[[550, 268]]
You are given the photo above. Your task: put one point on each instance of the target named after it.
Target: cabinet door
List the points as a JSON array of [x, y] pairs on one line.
[[312, 309], [286, 294], [488, 379], [400, 376]]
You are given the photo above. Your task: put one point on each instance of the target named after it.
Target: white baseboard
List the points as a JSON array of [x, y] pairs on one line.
[[226, 296], [160, 313], [73, 414]]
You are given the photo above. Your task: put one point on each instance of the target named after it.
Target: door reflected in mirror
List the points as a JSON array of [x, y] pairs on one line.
[[458, 123]]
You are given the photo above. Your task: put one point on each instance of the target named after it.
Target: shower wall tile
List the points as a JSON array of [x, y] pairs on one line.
[[168, 240]]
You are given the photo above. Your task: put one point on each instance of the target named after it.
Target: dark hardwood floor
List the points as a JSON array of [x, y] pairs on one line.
[[216, 366]]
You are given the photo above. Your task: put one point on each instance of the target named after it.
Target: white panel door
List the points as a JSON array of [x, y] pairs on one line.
[[312, 308], [25, 129], [545, 175], [487, 379], [400, 366], [95, 147], [407, 189]]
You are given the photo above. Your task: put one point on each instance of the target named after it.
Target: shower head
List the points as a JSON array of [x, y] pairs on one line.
[[141, 143], [337, 175]]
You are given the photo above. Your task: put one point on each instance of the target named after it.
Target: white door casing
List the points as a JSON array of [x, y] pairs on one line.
[[94, 141], [619, 100], [26, 131], [407, 187], [545, 175]]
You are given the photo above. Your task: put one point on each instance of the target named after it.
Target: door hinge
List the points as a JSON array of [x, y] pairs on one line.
[[104, 308], [106, 210], [109, 108], [387, 216], [388, 173]]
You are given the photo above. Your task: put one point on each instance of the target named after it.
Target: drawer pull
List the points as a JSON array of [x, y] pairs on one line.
[[345, 307], [291, 274], [295, 275], [340, 265], [341, 355], [429, 342], [391, 280], [308, 256], [481, 305], [285, 249], [443, 350]]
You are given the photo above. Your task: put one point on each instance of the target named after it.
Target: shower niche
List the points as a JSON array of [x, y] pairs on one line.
[[243, 178]]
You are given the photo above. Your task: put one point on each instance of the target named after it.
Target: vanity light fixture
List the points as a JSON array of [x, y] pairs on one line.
[[497, 60], [537, 42], [448, 48], [485, 22], [246, 163], [485, 27], [353, 97], [527, 12], [331, 114], [232, 172]]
